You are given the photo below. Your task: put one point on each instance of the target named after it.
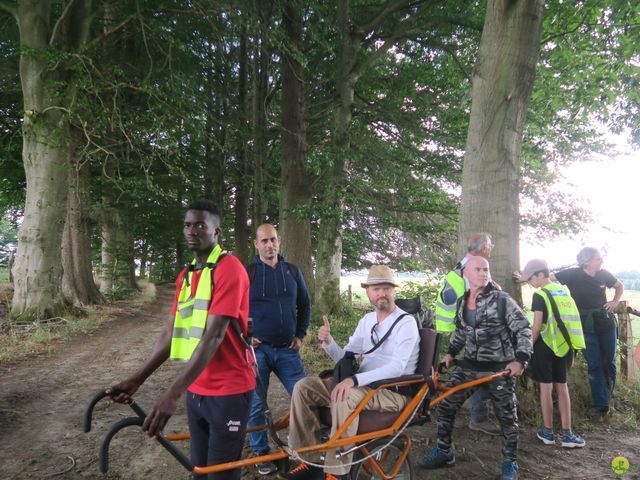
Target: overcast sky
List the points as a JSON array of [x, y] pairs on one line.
[[610, 189]]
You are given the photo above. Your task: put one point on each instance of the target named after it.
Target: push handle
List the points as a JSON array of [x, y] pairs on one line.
[[137, 421], [124, 423], [88, 411]]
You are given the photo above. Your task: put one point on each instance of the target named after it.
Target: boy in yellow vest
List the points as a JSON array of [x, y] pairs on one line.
[[553, 343]]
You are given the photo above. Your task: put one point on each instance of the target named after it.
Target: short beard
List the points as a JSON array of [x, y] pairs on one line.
[[383, 305]]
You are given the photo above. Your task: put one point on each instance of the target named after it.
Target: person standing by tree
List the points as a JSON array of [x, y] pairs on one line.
[[588, 283], [556, 333], [280, 308], [452, 288], [495, 336], [206, 327]]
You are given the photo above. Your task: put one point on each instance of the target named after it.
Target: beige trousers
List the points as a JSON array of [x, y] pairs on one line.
[[304, 423]]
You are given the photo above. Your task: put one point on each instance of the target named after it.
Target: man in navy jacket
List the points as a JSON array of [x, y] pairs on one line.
[[280, 309]]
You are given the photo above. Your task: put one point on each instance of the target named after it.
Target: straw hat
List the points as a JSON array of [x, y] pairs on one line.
[[379, 274]]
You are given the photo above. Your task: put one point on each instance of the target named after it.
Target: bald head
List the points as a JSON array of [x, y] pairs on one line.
[[480, 244], [267, 243], [476, 271]]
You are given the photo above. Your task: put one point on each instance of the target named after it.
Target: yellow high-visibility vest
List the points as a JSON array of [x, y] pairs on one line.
[[550, 332], [446, 314], [192, 312]]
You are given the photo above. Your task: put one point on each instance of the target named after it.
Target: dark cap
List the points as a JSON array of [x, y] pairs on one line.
[[534, 266]]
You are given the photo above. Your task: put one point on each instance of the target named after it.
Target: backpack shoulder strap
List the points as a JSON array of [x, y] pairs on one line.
[[294, 270], [502, 304], [386, 335], [251, 271], [556, 315]]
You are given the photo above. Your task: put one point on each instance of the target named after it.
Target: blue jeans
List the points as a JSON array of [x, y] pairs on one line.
[[600, 353], [287, 365], [479, 410]]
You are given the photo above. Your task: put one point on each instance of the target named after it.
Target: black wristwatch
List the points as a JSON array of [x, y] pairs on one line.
[[524, 363]]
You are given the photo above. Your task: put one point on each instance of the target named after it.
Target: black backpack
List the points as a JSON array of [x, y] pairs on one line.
[[424, 316]]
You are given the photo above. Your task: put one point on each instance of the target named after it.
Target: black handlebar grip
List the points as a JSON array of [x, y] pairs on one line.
[[88, 412], [106, 440], [137, 421]]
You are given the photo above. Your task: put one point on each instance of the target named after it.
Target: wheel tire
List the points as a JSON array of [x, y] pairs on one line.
[[387, 459]]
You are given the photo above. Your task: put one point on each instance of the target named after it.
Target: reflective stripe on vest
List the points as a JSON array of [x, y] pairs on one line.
[[446, 314], [192, 312], [550, 332]]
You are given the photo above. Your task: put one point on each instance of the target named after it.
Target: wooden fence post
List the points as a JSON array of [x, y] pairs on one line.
[[628, 367], [350, 296]]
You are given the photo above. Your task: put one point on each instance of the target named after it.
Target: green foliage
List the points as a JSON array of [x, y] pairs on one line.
[[585, 87], [427, 291], [157, 108]]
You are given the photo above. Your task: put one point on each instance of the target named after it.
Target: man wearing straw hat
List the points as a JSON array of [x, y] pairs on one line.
[[387, 339]]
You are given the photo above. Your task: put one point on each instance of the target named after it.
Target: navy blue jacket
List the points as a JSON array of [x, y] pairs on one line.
[[279, 302]]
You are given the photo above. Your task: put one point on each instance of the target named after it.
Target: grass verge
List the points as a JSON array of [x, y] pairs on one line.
[[23, 340]]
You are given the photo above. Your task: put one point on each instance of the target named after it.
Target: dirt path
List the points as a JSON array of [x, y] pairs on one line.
[[42, 400]]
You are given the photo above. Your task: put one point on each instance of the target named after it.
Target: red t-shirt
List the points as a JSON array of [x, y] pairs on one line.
[[228, 372]]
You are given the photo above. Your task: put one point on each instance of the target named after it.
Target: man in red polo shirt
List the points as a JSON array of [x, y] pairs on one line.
[[216, 376]]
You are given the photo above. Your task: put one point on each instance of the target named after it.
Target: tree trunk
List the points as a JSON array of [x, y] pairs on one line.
[[295, 195], [240, 228], [502, 84], [38, 267], [180, 260], [329, 255], [214, 146], [259, 116], [118, 266], [106, 250], [78, 285]]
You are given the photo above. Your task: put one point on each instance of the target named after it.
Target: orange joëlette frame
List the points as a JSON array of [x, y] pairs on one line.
[[336, 440]]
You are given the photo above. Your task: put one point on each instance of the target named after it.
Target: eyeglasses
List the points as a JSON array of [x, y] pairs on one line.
[[375, 339]]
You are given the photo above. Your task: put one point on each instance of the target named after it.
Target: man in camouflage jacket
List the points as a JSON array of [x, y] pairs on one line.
[[496, 336]]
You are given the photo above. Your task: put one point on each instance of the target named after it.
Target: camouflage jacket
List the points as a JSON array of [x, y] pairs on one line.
[[502, 332]]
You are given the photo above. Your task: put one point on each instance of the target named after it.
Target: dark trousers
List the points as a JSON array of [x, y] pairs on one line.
[[217, 426], [502, 393]]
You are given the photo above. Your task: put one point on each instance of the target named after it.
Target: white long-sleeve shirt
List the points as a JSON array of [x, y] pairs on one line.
[[397, 356]]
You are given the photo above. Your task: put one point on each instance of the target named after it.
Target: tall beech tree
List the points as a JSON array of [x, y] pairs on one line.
[[49, 35], [295, 178], [501, 89]]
